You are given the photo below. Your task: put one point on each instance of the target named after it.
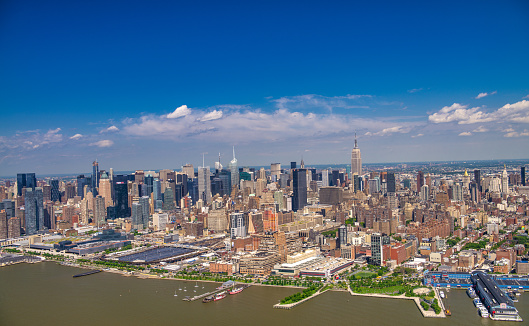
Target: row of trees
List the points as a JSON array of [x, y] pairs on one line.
[[301, 295]]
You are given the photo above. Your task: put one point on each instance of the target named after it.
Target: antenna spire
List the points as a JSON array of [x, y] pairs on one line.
[[356, 141]]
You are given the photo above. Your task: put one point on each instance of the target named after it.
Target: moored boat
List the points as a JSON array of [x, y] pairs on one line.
[[236, 290], [208, 299], [442, 294], [219, 296]]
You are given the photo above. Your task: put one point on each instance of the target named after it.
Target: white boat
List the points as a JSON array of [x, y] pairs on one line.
[[442, 294], [175, 293], [483, 312]]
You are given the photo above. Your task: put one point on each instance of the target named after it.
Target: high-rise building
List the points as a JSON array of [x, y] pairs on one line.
[[147, 188], [81, 182], [13, 228], [95, 177], [457, 192], [105, 189], [325, 178], [156, 193], [378, 240], [25, 180], [137, 216], [391, 184], [122, 209], [204, 184], [234, 170], [3, 224], [425, 193], [238, 227], [356, 159], [293, 165], [144, 202], [34, 210], [275, 171], [99, 210], [55, 192], [342, 236], [168, 199], [466, 180], [420, 180], [522, 173], [477, 179], [504, 181], [189, 170], [299, 182], [84, 211]]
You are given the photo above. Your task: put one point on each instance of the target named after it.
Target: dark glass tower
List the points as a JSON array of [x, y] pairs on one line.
[[55, 193], [25, 180], [477, 179], [95, 177], [391, 182], [299, 182], [121, 200], [34, 210], [522, 172]]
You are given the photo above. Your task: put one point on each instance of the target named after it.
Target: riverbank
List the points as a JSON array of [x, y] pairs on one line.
[[429, 314]]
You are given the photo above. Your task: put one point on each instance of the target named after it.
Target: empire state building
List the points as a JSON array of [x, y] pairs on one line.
[[356, 159]]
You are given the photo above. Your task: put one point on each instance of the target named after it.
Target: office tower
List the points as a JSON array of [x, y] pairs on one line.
[[55, 192], [391, 184], [182, 178], [25, 180], [335, 178], [99, 210], [46, 193], [357, 181], [225, 178], [466, 180], [378, 240], [356, 159], [475, 194], [204, 184], [84, 211], [81, 182], [420, 181], [13, 228], [234, 170], [157, 193], [293, 165], [105, 189], [192, 186], [299, 182], [477, 179], [70, 191], [342, 236], [137, 216], [425, 193], [275, 171], [168, 199], [3, 224], [189, 170], [457, 192], [95, 177], [504, 181], [145, 210], [34, 210], [238, 227], [122, 209], [325, 178], [522, 173], [147, 188], [9, 206]]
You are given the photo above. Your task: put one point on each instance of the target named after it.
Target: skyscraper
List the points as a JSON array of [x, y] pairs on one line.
[[204, 184], [34, 210], [420, 181], [477, 179], [299, 181], [105, 189], [522, 172], [81, 182], [234, 170], [238, 228], [504, 181], [356, 159], [122, 199], [99, 210], [95, 177], [25, 180], [55, 192], [342, 236], [144, 202], [325, 178], [156, 193], [391, 182]]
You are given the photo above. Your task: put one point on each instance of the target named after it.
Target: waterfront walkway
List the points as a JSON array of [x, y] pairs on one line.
[[430, 314], [292, 305]]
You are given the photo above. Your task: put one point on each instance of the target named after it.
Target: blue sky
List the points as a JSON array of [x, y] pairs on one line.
[[151, 85]]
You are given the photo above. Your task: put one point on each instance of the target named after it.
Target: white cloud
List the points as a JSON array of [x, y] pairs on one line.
[[213, 115], [389, 131], [466, 133], [482, 95], [526, 97], [76, 136], [31, 139], [418, 135], [179, 112], [516, 112], [109, 129], [414, 90], [480, 129], [511, 133], [103, 143], [318, 102]]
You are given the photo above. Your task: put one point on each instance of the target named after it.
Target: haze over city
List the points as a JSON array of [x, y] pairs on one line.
[[153, 86]]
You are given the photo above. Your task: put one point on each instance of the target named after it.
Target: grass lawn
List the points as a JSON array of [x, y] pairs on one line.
[[364, 274]]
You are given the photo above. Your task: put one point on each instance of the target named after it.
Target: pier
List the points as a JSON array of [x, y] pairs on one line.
[[197, 297], [88, 273], [292, 305]]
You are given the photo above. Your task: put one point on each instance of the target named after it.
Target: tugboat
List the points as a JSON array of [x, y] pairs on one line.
[[207, 299], [236, 290], [220, 296]]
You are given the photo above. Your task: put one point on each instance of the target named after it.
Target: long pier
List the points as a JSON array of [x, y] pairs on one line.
[[197, 297], [88, 273]]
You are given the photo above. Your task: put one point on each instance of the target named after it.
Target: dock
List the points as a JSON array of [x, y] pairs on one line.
[[197, 297], [88, 273]]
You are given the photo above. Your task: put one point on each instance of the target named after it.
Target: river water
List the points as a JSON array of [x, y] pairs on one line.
[[46, 294]]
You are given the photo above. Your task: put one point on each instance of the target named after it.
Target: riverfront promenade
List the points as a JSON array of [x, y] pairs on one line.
[[292, 305], [430, 314]]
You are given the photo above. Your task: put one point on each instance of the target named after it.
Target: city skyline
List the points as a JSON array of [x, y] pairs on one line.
[[156, 86]]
